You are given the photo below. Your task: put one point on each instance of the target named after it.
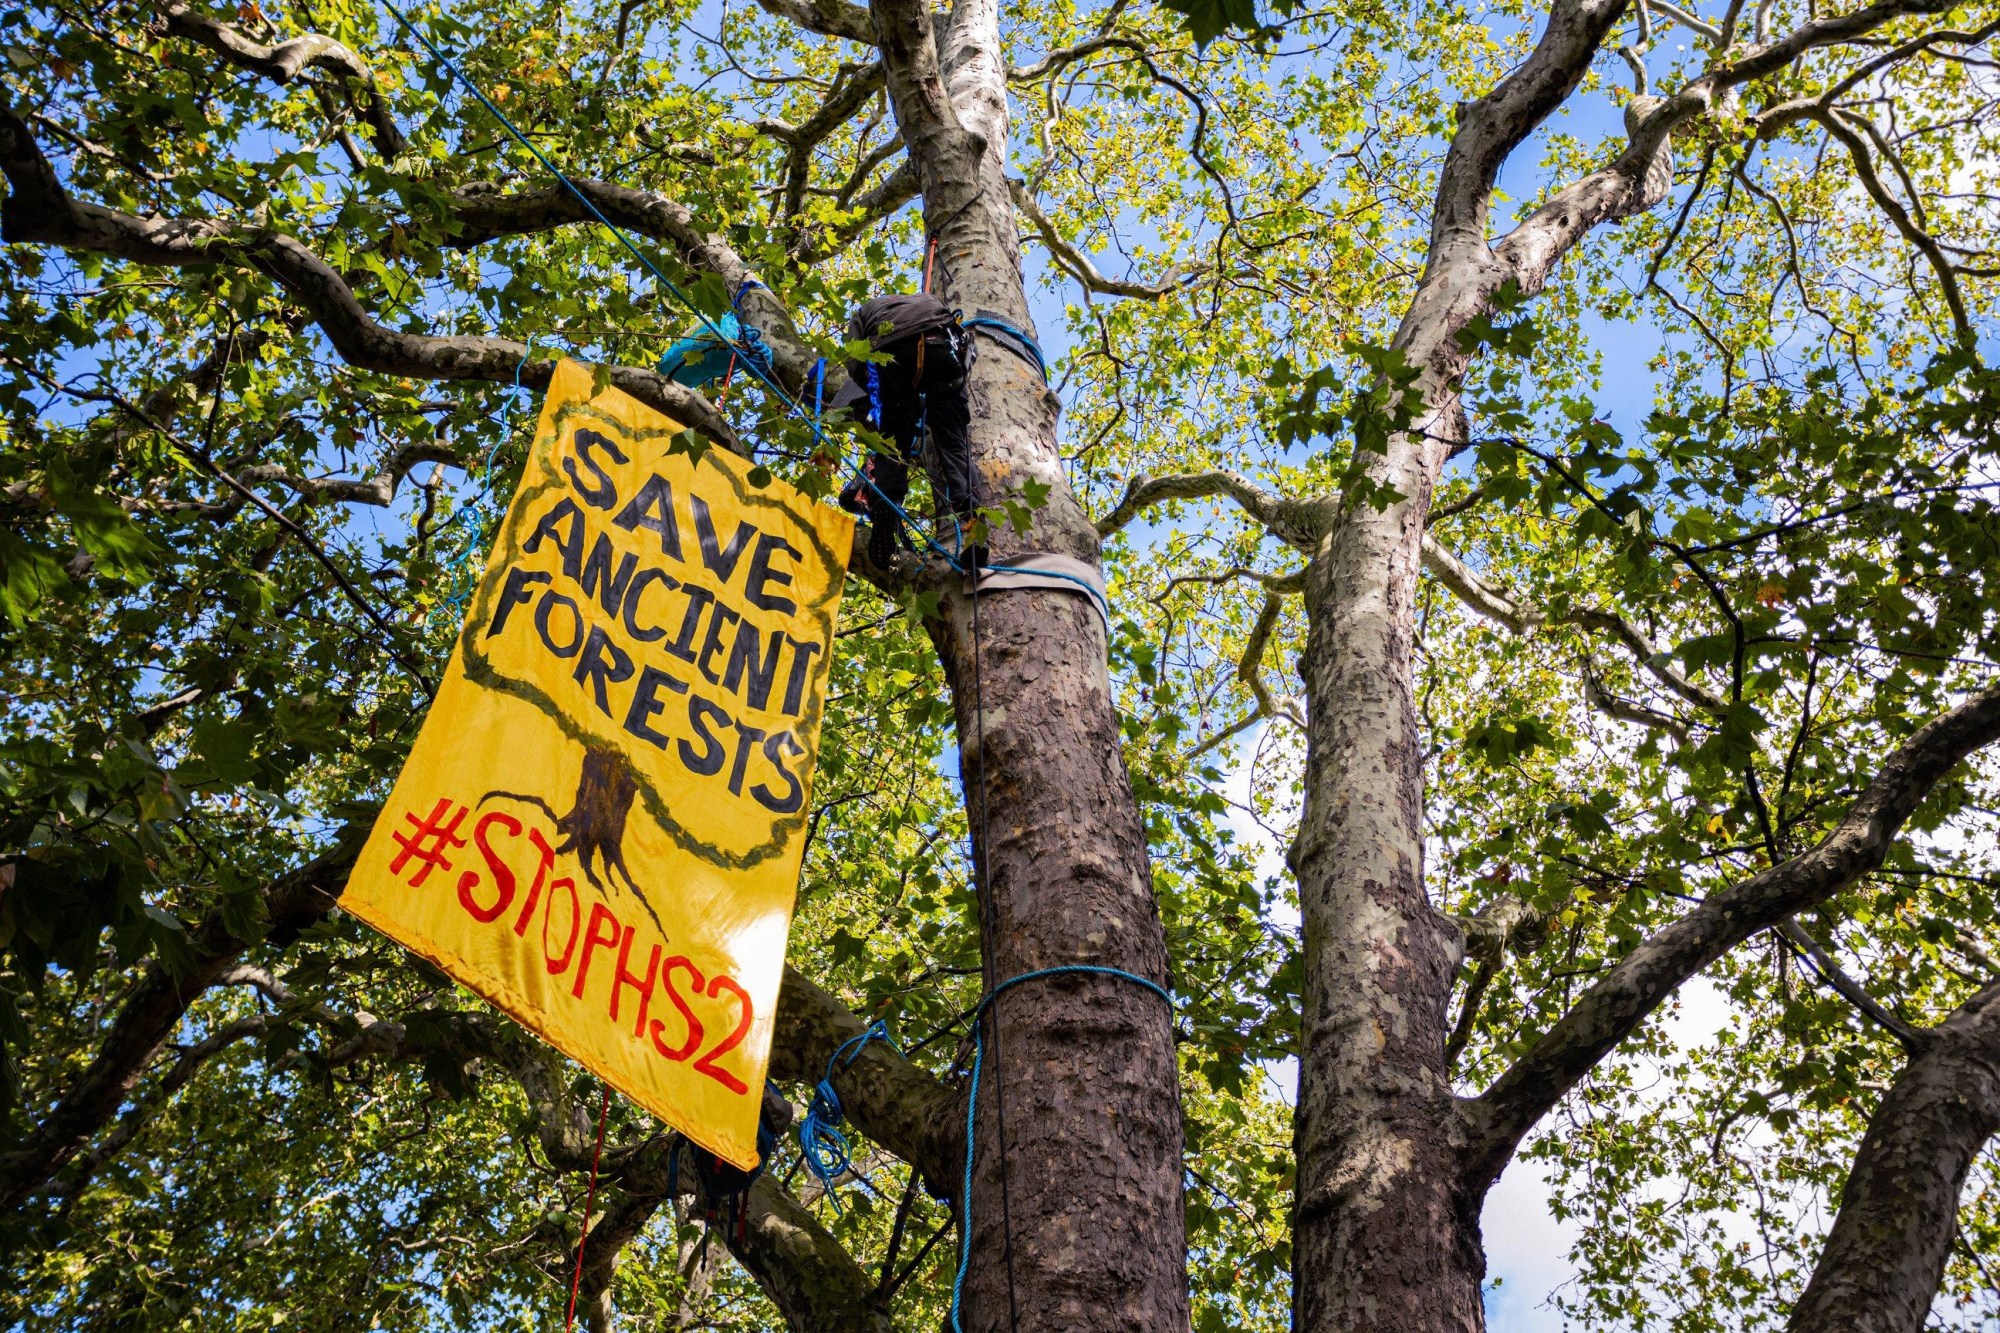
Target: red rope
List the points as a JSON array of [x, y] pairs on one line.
[[928, 260], [589, 1198], [727, 376]]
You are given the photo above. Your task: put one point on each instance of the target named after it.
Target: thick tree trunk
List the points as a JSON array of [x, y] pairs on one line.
[[1883, 1262], [1386, 1224], [1385, 1234], [1077, 1212]]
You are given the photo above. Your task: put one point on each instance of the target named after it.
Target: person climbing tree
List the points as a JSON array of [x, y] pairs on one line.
[[911, 391]]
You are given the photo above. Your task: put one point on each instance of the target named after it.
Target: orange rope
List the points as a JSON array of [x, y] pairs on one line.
[[589, 1198], [928, 260]]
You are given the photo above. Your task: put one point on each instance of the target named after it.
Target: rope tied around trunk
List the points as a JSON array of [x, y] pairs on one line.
[[972, 1096]]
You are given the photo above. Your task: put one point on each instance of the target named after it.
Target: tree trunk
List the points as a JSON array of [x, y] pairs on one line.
[[1386, 1236], [1077, 1212], [1386, 1224]]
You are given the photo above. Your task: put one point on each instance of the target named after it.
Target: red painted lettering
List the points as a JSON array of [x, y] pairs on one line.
[[503, 875], [624, 977], [729, 1043], [600, 915], [548, 855], [557, 966], [694, 1032]]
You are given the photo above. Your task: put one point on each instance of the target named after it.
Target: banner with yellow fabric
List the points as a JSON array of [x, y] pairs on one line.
[[600, 826]]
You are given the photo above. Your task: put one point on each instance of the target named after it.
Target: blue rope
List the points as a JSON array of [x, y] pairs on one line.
[[751, 361], [1023, 343], [972, 1099], [584, 199], [821, 1144]]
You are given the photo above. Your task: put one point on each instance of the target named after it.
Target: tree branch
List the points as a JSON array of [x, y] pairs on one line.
[[1525, 619], [1250, 670], [152, 1009], [829, 18], [1911, 1039], [1623, 997], [1297, 523], [1641, 175], [284, 62], [1886, 1254], [38, 209], [892, 1101], [483, 216], [1078, 263]]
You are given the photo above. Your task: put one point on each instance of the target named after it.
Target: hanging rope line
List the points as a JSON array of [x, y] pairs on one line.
[[972, 1100], [618, 232], [589, 1198], [822, 1147]]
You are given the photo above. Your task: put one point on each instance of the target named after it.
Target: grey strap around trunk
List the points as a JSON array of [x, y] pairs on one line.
[[1058, 573]]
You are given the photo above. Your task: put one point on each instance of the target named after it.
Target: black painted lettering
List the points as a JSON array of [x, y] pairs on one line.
[[513, 593], [645, 633], [598, 493], [720, 559], [713, 643], [795, 684], [603, 663], [775, 747], [653, 509], [698, 600], [763, 574], [646, 701], [700, 714], [550, 600], [598, 578], [746, 741], [751, 673], [571, 544]]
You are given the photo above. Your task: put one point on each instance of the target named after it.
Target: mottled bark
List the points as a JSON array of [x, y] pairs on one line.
[[1883, 1262], [1077, 1219]]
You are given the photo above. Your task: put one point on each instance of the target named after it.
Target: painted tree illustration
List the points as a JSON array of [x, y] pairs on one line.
[[593, 828]]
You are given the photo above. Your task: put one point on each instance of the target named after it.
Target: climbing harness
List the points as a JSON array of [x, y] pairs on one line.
[[725, 1189]]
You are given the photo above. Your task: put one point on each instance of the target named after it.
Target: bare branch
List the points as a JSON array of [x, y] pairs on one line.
[[1297, 523], [1839, 124], [1525, 618], [284, 62], [896, 189], [1641, 175], [1911, 1039], [1056, 61], [1078, 263], [1623, 997], [1685, 19], [1250, 670]]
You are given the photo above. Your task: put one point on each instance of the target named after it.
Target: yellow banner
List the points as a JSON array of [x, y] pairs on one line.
[[600, 826]]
